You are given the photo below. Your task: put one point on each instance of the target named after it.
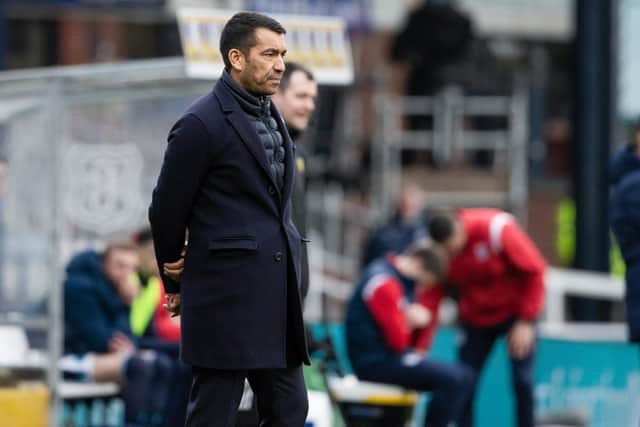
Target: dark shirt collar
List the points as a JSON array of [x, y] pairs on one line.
[[255, 105]]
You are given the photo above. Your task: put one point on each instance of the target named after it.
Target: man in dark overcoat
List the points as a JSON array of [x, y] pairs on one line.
[[226, 183]]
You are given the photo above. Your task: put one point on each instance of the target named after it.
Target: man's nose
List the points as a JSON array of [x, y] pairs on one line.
[[279, 64]]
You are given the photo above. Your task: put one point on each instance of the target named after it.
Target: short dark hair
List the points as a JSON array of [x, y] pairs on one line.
[[433, 258], [290, 68], [239, 33], [441, 225]]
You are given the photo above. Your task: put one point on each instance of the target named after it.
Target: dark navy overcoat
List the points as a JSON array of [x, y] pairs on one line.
[[240, 295]]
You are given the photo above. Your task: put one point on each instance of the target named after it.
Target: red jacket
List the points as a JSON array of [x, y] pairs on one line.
[[429, 298], [500, 272], [167, 327], [385, 298]]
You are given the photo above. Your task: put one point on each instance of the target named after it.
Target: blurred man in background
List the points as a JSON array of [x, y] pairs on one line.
[[391, 319], [156, 329], [436, 34], [625, 222], [406, 227], [148, 316], [296, 101], [144, 306], [100, 346], [499, 274]]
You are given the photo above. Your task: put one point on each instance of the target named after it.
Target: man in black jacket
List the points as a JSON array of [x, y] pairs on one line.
[[227, 178], [296, 101], [624, 215], [99, 344]]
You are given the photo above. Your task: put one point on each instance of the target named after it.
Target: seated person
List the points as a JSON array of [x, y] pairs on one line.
[[390, 321], [157, 329], [149, 319], [98, 292]]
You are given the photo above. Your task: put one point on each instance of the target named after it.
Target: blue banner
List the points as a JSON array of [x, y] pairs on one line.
[[595, 381], [598, 381]]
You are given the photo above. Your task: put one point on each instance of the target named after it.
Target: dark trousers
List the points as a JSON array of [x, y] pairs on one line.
[[148, 388], [473, 352], [215, 395], [176, 409], [448, 382]]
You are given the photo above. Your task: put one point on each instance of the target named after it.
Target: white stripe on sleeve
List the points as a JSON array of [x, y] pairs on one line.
[[496, 226], [373, 284]]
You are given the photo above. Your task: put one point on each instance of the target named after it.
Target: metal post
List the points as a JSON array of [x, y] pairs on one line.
[[383, 164], [539, 60], [517, 155], [595, 110], [441, 129], [452, 101], [56, 302]]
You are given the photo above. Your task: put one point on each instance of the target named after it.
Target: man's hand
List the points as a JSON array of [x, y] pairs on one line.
[[120, 343], [172, 304], [174, 269], [520, 339], [417, 316]]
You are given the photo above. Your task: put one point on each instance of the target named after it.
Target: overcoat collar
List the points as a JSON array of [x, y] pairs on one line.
[[238, 120]]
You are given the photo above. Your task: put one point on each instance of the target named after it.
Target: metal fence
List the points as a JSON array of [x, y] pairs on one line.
[[83, 147], [447, 131]]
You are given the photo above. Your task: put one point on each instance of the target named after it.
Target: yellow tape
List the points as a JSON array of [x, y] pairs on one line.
[[24, 407], [409, 399]]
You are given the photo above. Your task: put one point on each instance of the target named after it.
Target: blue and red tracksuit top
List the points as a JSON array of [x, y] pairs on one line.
[[499, 273], [376, 328]]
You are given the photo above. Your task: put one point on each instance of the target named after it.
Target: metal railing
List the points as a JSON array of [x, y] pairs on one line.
[[448, 138], [60, 123]]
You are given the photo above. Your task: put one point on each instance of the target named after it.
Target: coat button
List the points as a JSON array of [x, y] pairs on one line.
[[272, 190], [277, 256]]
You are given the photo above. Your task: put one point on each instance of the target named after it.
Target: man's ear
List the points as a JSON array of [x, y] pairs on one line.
[[237, 59]]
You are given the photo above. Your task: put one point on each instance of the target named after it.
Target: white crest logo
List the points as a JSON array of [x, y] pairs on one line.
[[102, 187]]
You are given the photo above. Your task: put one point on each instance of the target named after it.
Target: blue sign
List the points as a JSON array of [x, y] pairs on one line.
[[599, 381]]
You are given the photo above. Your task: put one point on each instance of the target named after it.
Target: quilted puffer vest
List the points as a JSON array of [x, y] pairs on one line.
[[258, 110]]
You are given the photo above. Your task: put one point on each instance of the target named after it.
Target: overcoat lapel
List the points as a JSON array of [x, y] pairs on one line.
[[241, 124], [289, 156]]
